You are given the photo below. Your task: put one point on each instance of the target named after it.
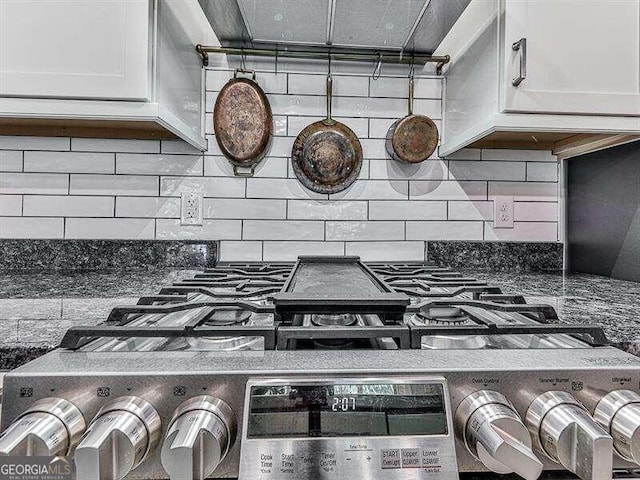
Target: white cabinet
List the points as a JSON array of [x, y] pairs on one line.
[[112, 68], [581, 66], [76, 48], [581, 57]]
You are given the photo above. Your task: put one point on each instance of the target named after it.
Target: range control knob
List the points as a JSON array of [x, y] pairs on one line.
[[51, 426], [118, 440], [619, 414], [494, 433], [563, 430], [199, 436]]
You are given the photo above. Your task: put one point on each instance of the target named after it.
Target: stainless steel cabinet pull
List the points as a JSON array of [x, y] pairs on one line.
[[520, 46]]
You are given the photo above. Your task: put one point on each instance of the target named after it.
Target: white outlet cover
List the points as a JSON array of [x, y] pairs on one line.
[[503, 212], [191, 209]]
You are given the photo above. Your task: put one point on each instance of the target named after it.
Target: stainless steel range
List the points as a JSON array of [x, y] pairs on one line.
[[329, 369]]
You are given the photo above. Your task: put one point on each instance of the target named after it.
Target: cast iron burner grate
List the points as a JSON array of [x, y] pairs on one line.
[[381, 295]]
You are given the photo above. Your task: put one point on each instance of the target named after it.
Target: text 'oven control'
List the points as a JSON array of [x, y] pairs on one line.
[[563, 430], [201, 433], [51, 426], [494, 433], [118, 440], [619, 414]]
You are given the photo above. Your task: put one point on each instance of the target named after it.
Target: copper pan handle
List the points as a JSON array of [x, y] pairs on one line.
[[329, 120]]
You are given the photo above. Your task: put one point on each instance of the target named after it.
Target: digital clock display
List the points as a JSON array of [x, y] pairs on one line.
[[339, 410]]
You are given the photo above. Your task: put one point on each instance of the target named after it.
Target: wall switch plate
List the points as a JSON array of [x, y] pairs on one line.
[[191, 209], [503, 212]]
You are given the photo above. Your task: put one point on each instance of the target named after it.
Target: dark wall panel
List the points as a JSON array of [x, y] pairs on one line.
[[603, 231]]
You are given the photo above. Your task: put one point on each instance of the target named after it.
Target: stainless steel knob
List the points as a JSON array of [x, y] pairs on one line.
[[494, 433], [619, 414], [118, 440], [563, 430], [51, 426], [199, 436]]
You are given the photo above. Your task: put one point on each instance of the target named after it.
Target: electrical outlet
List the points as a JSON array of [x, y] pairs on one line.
[[191, 209], [503, 212]]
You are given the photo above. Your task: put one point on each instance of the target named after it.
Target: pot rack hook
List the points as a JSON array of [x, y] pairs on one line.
[[329, 61], [276, 72], [412, 67], [377, 71]]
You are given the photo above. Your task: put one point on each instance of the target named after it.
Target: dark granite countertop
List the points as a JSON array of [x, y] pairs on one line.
[[37, 308]]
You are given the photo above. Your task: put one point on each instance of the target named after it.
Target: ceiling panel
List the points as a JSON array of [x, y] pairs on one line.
[[375, 23], [286, 21]]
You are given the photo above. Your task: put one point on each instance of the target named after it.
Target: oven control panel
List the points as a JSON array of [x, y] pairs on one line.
[[337, 428]]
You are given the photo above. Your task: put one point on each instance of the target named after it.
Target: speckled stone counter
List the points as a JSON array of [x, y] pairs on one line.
[[37, 308]]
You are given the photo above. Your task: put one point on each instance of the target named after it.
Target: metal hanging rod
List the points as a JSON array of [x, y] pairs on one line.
[[399, 58]]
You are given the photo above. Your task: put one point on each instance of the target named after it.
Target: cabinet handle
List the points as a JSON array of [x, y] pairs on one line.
[[520, 46]]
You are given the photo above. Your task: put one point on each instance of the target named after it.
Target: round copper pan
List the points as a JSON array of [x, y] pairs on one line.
[[412, 139], [327, 155], [242, 122]]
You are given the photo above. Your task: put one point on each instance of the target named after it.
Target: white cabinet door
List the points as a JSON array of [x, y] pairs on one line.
[[582, 56], [75, 48]]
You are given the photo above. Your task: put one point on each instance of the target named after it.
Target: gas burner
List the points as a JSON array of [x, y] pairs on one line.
[[344, 320], [441, 316], [227, 316]]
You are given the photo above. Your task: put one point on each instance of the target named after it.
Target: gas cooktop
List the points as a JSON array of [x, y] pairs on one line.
[[329, 368]]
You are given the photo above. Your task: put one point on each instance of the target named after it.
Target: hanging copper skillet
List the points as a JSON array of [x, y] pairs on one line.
[[242, 122], [414, 138], [327, 155]]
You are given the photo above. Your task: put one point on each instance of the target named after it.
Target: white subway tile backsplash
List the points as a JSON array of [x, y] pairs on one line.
[[303, 84], [109, 228], [244, 208], [360, 126], [364, 231], [148, 207], [269, 82], [466, 154], [393, 170], [270, 167], [178, 146], [34, 143], [67, 206], [387, 251], [399, 87], [125, 188], [487, 170], [449, 230], [529, 231], [114, 145], [289, 251], [447, 190], [209, 187], [282, 230], [31, 227], [10, 161], [542, 172], [523, 192], [158, 164], [69, 162], [326, 210], [279, 188], [375, 189], [535, 212], [518, 155], [42, 183], [10, 205], [240, 251], [474, 210], [407, 210], [169, 229], [135, 185]]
